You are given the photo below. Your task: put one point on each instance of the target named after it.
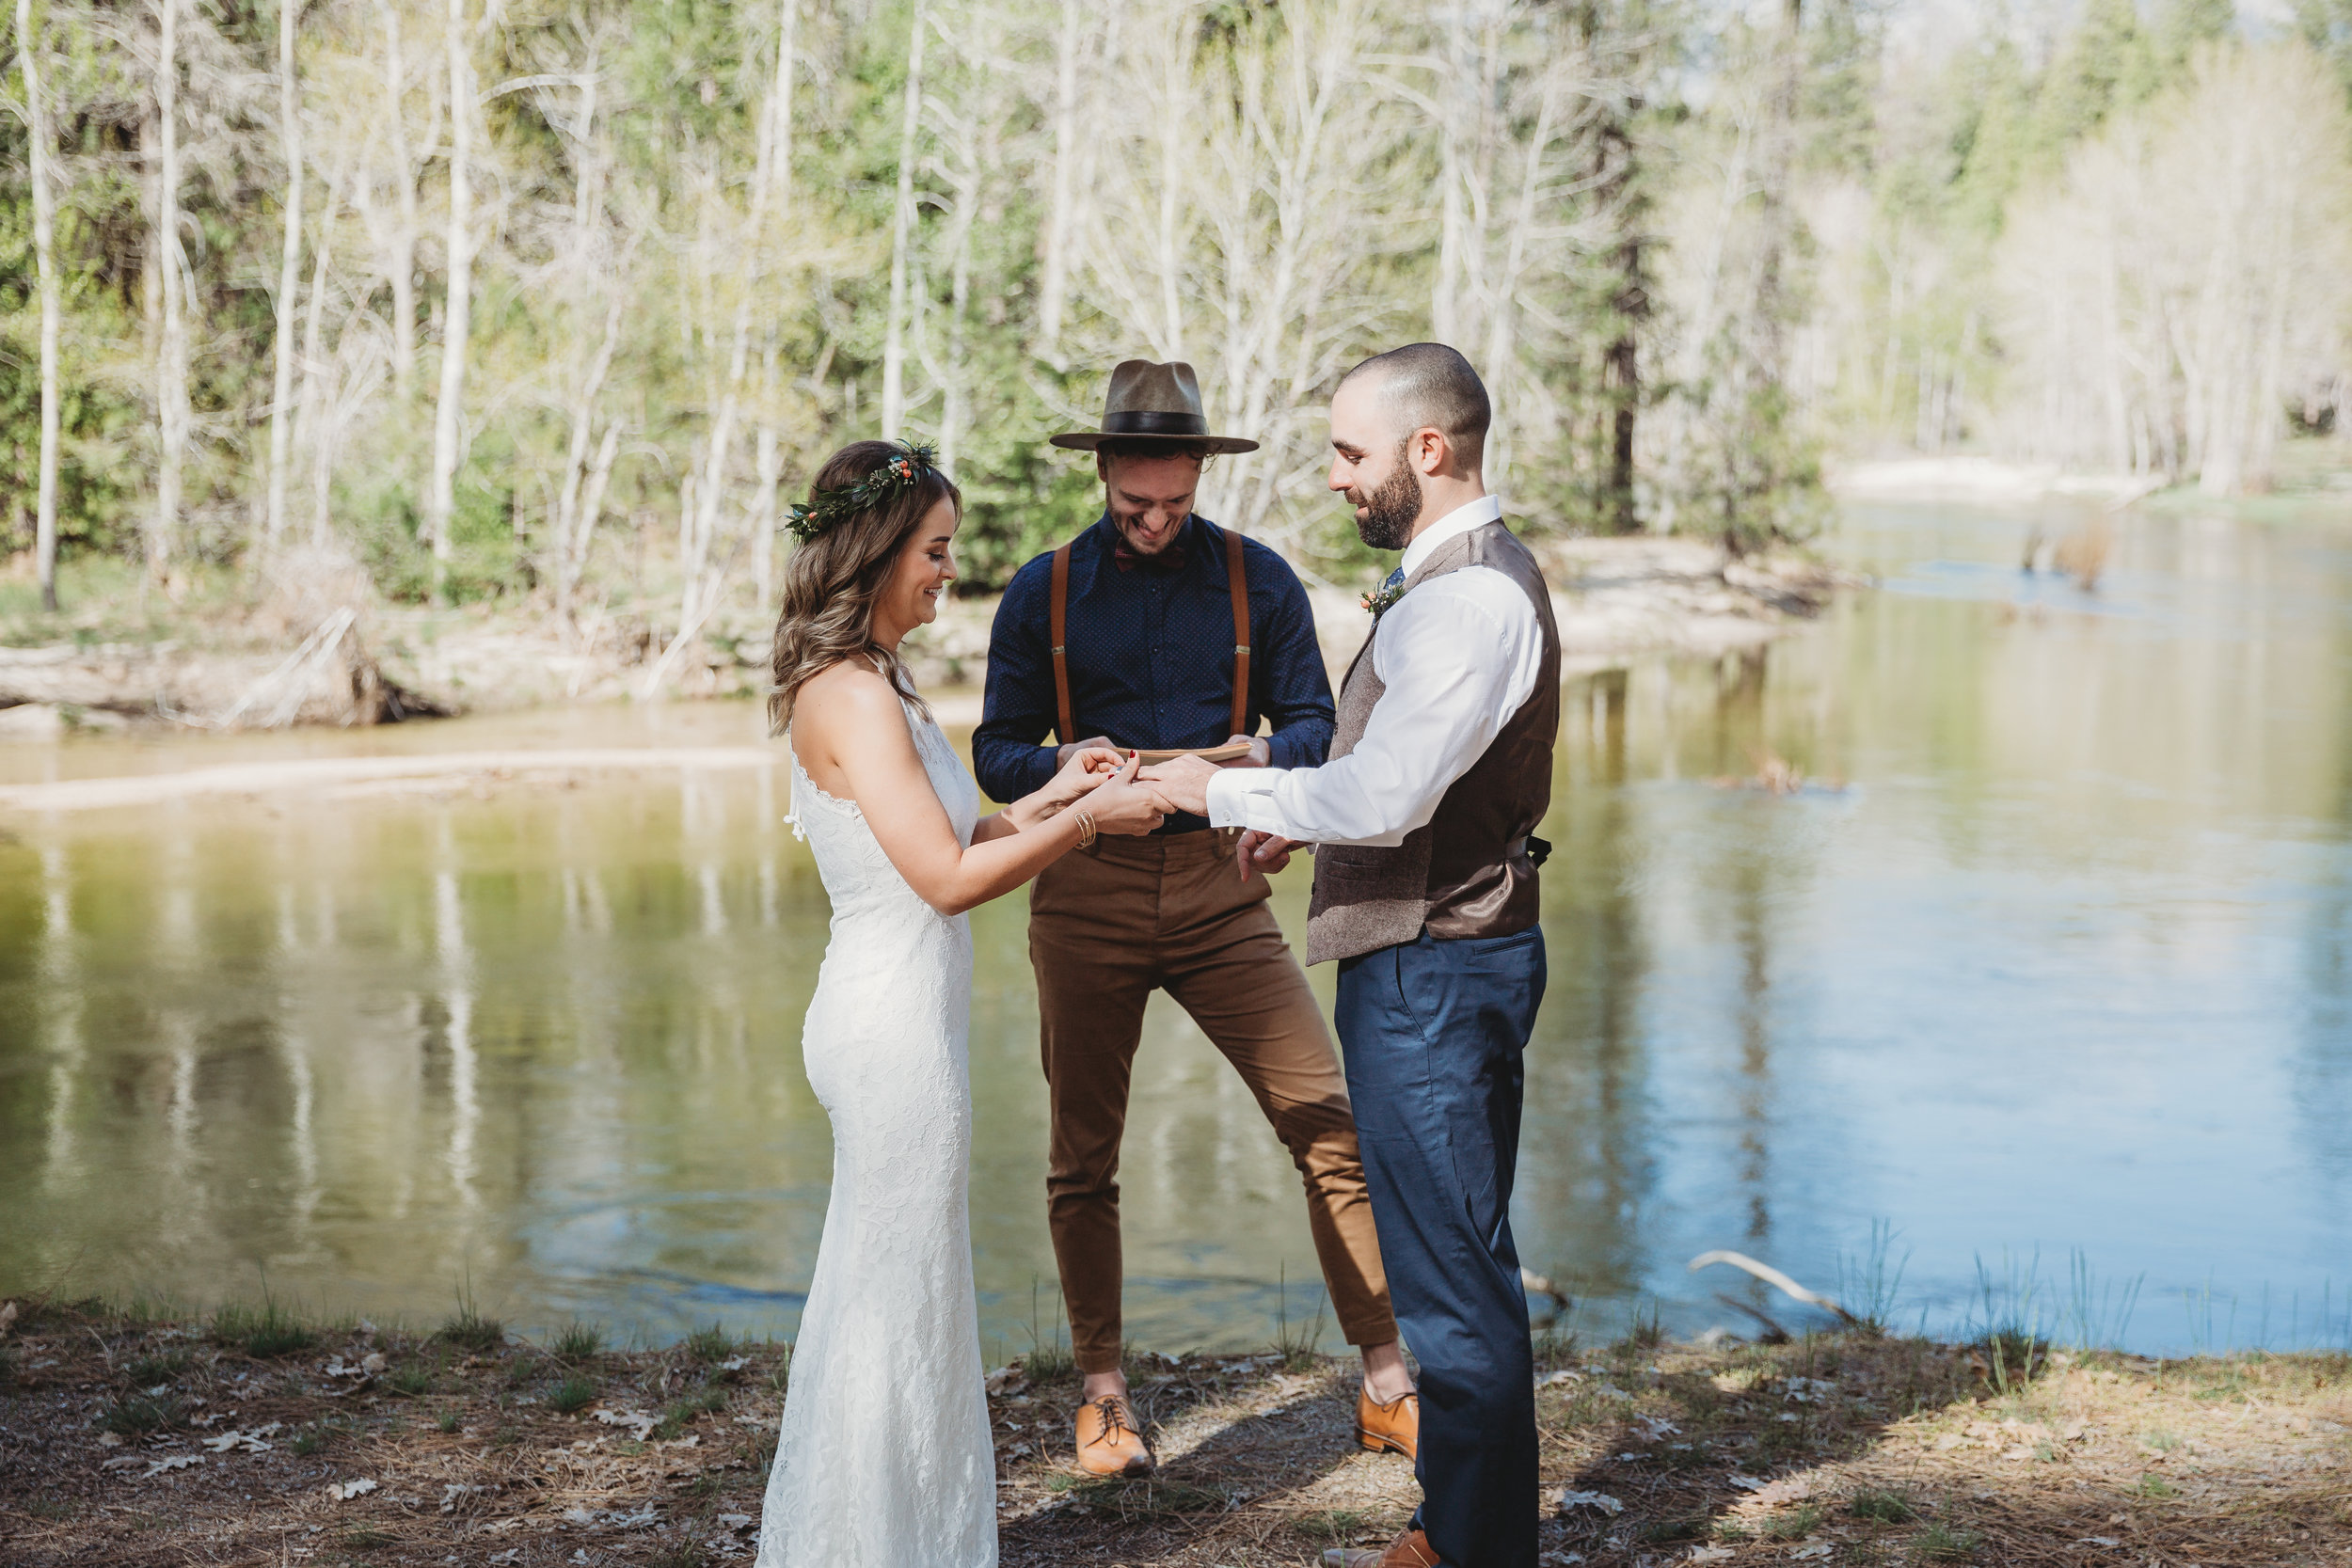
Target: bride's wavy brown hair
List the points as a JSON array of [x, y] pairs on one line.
[[831, 581]]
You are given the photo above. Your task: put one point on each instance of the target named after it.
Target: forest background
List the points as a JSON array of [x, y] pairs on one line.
[[552, 303]]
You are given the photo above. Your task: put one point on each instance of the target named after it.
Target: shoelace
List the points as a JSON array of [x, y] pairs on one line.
[[1114, 1419]]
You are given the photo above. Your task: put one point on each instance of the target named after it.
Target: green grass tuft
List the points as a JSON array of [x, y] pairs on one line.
[[710, 1344], [578, 1343], [1940, 1543], [1334, 1526], [411, 1380], [148, 1371], [1887, 1507], [142, 1413], [2155, 1486], [446, 1420], [467, 1329], [263, 1334], [573, 1395], [1795, 1524]]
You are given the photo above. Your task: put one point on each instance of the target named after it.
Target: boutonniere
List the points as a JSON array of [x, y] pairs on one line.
[[1378, 601]]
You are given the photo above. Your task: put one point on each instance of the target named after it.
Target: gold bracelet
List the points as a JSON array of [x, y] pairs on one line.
[[1086, 830]]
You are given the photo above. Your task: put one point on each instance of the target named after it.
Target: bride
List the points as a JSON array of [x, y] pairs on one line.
[[884, 1459]]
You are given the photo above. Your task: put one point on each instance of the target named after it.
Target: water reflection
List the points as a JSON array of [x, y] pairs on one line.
[[2065, 962]]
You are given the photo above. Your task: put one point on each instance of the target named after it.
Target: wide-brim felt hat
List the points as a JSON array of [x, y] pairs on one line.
[[1159, 404]]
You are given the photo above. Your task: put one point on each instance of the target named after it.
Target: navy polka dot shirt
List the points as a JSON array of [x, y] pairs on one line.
[[1151, 656]]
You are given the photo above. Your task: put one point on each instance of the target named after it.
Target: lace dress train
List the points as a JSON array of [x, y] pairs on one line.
[[884, 1458]]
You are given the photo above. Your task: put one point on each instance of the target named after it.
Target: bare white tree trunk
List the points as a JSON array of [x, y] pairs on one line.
[[172, 357], [767, 469], [310, 434], [440, 500], [1054, 285], [572, 522], [281, 411], [767, 456], [28, 52], [902, 236], [403, 262]]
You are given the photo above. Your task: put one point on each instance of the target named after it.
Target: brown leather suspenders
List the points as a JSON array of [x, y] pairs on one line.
[[1066, 726], [1240, 586]]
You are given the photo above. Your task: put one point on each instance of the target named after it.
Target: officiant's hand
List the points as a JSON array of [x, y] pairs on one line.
[[1261, 754], [1257, 851], [1125, 804], [1099, 743]]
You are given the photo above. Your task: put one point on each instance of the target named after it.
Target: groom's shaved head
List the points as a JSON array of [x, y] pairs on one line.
[[1431, 384]]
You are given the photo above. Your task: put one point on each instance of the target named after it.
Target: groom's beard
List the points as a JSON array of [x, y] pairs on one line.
[[1391, 507]]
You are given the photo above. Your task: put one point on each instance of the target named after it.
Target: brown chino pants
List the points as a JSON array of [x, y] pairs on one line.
[[1109, 925]]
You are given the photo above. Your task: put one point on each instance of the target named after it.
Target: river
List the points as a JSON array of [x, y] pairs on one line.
[[2040, 986]]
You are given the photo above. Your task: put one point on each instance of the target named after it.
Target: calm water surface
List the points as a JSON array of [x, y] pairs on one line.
[[2064, 960]]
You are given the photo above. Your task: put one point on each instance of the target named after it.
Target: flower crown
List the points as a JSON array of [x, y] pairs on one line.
[[828, 507]]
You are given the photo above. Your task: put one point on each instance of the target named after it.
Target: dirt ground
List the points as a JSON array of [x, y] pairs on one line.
[[249, 1439]]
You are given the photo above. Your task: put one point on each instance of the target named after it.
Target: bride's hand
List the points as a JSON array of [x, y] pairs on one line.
[[1089, 766], [1121, 805]]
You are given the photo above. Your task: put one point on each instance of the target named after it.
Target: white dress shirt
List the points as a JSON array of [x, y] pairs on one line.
[[1456, 656]]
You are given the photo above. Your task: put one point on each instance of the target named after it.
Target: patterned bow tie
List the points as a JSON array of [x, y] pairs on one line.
[[1128, 558]]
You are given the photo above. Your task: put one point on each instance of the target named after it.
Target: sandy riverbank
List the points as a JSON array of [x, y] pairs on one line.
[[245, 1439], [339, 658]]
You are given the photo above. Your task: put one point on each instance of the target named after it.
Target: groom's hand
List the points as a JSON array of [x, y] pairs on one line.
[[1257, 851], [1261, 754], [1183, 783]]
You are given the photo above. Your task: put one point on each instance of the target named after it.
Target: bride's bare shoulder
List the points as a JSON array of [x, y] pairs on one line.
[[845, 697]]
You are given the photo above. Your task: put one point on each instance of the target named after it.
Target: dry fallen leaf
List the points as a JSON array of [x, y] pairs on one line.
[[343, 1491], [1603, 1500]]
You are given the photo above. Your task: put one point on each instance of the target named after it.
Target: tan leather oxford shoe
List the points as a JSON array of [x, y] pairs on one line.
[[1409, 1550], [1391, 1428], [1108, 1440]]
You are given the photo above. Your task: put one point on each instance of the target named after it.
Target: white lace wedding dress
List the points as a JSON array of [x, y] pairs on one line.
[[884, 1459]]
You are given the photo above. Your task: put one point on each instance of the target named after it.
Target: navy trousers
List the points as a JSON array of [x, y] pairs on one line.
[[1434, 1032]]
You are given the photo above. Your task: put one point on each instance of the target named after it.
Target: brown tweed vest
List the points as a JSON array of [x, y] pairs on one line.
[[1466, 871]]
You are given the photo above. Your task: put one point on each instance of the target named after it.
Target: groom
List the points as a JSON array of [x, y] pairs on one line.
[[1426, 893]]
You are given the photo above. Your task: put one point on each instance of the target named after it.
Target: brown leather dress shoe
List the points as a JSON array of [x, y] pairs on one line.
[[1109, 1441], [1409, 1550], [1391, 1428]]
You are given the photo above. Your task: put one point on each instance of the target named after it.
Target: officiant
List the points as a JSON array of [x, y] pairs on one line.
[[1157, 629]]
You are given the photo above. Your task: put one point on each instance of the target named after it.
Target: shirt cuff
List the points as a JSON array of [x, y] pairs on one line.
[[1234, 790]]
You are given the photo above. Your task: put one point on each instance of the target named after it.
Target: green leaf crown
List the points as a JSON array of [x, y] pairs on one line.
[[828, 507]]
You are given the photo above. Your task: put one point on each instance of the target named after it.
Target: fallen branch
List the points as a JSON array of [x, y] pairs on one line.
[[1776, 1280]]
